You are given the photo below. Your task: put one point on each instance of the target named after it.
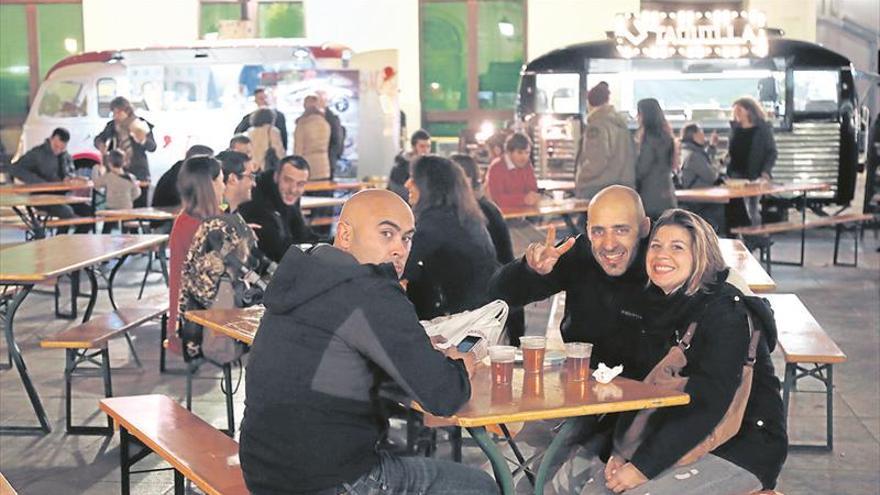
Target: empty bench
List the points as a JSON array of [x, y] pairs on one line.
[[195, 450], [808, 352], [87, 343], [838, 222]]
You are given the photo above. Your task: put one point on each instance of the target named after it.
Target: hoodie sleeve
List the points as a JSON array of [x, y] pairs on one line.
[[714, 373], [400, 346]]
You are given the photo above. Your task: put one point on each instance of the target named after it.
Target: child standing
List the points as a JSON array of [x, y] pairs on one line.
[[120, 187]]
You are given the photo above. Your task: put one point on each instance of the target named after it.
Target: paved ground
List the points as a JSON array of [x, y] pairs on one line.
[[844, 300]]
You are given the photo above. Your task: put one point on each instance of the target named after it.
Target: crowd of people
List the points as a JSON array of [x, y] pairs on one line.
[[342, 318]]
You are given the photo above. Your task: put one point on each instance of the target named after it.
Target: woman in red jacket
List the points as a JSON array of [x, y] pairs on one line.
[[201, 187]]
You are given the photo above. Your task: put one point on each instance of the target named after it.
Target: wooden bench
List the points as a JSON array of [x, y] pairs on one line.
[[87, 342], [808, 352], [196, 450], [323, 221], [837, 221], [5, 487]]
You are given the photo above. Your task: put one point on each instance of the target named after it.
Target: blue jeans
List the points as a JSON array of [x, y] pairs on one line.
[[584, 473], [420, 475]]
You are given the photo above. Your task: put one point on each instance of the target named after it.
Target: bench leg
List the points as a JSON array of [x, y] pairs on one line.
[[131, 349], [230, 408], [179, 486], [829, 409], [787, 384], [839, 228], [75, 357], [825, 374]]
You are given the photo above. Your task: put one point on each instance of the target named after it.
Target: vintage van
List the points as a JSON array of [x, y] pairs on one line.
[[198, 94]]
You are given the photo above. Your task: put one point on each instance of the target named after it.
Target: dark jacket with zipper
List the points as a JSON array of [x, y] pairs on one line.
[[41, 164], [594, 303], [450, 264], [280, 225], [714, 369], [333, 332], [139, 165], [761, 156]]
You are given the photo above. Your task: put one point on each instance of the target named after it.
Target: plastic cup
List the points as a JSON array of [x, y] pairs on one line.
[[502, 357], [558, 195], [533, 349], [577, 360]]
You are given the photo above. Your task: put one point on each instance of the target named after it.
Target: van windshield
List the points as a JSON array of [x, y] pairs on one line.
[[63, 99]]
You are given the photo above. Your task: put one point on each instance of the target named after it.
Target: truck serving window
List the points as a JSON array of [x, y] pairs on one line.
[[815, 91], [557, 93], [63, 99], [106, 93]]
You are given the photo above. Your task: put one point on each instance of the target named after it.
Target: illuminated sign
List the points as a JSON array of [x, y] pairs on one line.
[[691, 34]]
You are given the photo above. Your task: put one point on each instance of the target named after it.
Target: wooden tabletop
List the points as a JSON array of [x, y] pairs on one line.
[[44, 259], [212, 463], [555, 185], [744, 262], [239, 323], [37, 200], [332, 185], [723, 194], [145, 213], [800, 335], [547, 208], [310, 202], [551, 395], [44, 187]]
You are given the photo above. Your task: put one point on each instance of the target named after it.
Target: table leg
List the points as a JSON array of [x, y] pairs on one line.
[[93, 293], [803, 222], [558, 441], [18, 360], [499, 463], [112, 278]]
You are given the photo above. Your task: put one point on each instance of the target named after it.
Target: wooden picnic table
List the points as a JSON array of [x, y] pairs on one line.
[[555, 185], [148, 213], [46, 187], [311, 202], [565, 208], [42, 260], [528, 398], [723, 194], [332, 185], [740, 259], [26, 206]]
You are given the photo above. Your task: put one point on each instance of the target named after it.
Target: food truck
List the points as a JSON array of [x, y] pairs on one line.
[[696, 64], [198, 94]]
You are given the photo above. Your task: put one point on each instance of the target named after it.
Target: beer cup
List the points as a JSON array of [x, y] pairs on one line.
[[533, 349], [577, 360], [502, 357]]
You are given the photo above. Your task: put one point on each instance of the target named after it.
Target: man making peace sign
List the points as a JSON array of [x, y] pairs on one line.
[[599, 273]]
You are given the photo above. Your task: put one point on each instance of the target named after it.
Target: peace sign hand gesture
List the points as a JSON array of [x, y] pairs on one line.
[[543, 257]]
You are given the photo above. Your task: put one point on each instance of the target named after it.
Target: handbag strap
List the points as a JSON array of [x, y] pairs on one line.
[[684, 343], [753, 342]]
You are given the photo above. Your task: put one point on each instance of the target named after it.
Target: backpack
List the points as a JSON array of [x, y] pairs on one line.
[[218, 272], [270, 159]]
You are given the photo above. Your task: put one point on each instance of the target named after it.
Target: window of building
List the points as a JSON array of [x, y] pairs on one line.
[[34, 36], [270, 18], [471, 53]]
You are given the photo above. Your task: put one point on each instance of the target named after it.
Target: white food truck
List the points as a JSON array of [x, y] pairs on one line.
[[198, 94]]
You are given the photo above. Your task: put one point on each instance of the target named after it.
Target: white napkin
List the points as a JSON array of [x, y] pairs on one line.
[[604, 374]]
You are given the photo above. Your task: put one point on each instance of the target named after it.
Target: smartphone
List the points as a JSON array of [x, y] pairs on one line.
[[468, 343]]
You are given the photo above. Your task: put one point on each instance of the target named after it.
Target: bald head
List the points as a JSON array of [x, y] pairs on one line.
[[615, 224], [376, 226]]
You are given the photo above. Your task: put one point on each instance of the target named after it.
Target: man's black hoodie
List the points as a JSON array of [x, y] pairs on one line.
[[280, 225], [333, 331]]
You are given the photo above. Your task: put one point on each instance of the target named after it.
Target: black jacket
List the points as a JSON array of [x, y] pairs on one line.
[[715, 359], [498, 230], [595, 302], [280, 225], [166, 193], [333, 331], [40, 164], [138, 165], [761, 157], [280, 124], [449, 266]]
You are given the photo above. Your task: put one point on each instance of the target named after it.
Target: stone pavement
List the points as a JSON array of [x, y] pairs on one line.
[[845, 301]]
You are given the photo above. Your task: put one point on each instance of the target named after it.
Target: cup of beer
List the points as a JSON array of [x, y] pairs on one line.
[[533, 349], [502, 357], [577, 360]]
